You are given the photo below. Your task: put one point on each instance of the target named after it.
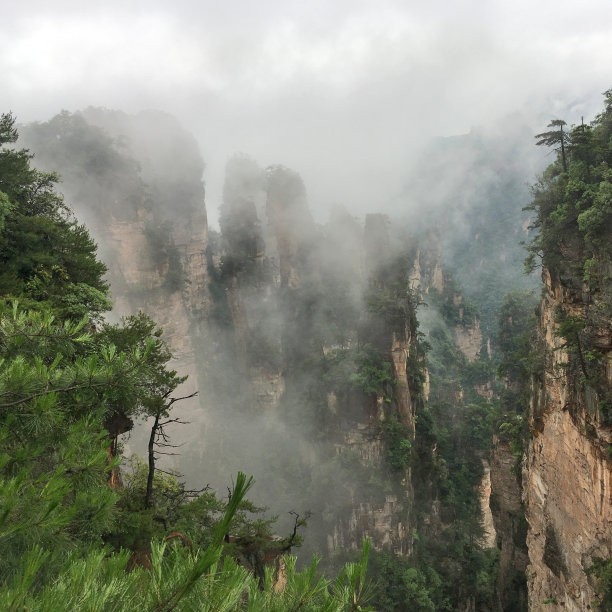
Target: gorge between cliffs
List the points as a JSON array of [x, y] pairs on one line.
[[392, 379]]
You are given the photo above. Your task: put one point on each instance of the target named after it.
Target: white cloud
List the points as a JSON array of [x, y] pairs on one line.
[[344, 91]]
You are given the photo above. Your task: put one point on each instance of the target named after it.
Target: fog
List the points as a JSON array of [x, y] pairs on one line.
[[359, 99], [347, 93]]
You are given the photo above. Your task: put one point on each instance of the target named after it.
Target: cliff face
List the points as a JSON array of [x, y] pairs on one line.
[[136, 180], [139, 280], [567, 475], [469, 339], [295, 297], [510, 527], [395, 336]]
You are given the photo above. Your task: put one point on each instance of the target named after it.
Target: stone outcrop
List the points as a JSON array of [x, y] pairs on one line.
[[381, 523], [290, 221], [567, 474], [568, 493], [138, 276], [489, 533], [400, 349], [469, 339], [510, 527]]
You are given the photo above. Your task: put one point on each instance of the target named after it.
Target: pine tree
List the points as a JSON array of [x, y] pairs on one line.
[[46, 257], [555, 138]]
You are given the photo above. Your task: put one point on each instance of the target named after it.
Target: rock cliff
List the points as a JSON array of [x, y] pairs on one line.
[[295, 296], [510, 527], [136, 180], [567, 474]]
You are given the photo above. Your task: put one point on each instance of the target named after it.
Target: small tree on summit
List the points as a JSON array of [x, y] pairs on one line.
[[555, 138]]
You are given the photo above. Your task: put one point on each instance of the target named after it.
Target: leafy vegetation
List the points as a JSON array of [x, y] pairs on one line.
[[397, 438], [572, 200], [374, 374], [47, 258], [399, 585], [601, 571]]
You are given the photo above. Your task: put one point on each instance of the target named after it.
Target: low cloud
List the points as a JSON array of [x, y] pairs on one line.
[[348, 94]]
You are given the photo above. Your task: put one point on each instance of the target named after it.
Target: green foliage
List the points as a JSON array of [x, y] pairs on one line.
[[140, 333], [46, 257], [591, 271], [5, 208], [395, 303], [570, 329], [514, 432], [445, 353], [59, 386], [449, 441], [176, 509], [573, 201], [555, 138], [400, 586], [398, 444], [478, 372], [601, 570], [363, 368], [374, 374], [586, 364], [182, 579]]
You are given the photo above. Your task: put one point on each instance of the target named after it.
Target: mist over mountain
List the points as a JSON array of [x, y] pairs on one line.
[[349, 95], [472, 189], [303, 338], [315, 243]]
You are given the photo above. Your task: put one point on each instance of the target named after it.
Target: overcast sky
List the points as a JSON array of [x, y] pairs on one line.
[[345, 92]]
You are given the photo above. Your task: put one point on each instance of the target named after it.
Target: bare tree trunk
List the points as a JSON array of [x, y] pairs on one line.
[[158, 430], [151, 474], [563, 150]]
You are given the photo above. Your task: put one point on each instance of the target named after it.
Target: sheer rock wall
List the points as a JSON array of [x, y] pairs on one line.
[[567, 474]]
